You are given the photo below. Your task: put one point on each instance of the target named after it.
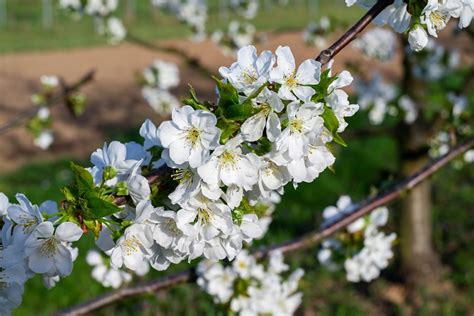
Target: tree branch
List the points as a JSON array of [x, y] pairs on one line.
[[360, 209], [60, 96], [326, 55]]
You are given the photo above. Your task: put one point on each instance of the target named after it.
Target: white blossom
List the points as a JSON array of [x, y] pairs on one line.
[[189, 136], [295, 82]]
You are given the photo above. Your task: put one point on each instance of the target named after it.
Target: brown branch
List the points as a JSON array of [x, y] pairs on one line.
[[54, 100], [193, 62], [362, 208], [326, 55]]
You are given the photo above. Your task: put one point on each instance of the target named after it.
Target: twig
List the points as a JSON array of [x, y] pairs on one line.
[[309, 240], [55, 99], [191, 61], [326, 55]]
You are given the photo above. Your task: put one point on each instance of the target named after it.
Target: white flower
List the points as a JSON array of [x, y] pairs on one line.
[[132, 248], [105, 275], [116, 158], [250, 71], [162, 75], [436, 16], [101, 7], [366, 265], [229, 166], [377, 43], [417, 38], [217, 281], [12, 280], [294, 83], [44, 139], [43, 113], [4, 204], [375, 93], [266, 119], [304, 125], [189, 136], [115, 30], [25, 216], [137, 185], [409, 107], [205, 222], [149, 132], [469, 156], [47, 251], [161, 101], [49, 82], [465, 13], [338, 99]]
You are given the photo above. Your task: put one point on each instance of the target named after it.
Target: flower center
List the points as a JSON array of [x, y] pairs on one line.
[[290, 81], [182, 175], [131, 245], [204, 215], [296, 126], [193, 136], [438, 19], [48, 247], [249, 76], [228, 159]]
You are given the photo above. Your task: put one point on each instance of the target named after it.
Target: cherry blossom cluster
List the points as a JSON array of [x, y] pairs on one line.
[[40, 125], [246, 8], [380, 98], [377, 43], [102, 11], [222, 168], [193, 13], [460, 114], [34, 240], [156, 80], [248, 288], [106, 275], [238, 35], [316, 31], [361, 248], [420, 18]]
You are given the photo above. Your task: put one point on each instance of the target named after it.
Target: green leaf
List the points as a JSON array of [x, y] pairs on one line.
[[83, 178], [239, 112], [332, 124], [322, 87], [415, 7], [228, 95], [98, 207], [194, 102]]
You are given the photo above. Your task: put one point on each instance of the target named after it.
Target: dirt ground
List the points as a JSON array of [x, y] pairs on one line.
[[114, 98]]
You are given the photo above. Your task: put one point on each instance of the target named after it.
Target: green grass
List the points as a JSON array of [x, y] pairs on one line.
[[24, 31], [363, 165]]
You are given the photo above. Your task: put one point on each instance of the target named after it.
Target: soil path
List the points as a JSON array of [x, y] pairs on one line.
[[114, 98]]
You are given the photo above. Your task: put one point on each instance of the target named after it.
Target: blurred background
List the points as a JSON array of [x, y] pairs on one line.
[[38, 38]]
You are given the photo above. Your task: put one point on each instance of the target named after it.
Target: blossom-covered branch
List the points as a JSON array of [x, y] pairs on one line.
[[359, 210], [62, 95]]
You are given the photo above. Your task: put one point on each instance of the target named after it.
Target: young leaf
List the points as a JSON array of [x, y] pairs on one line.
[[83, 179], [332, 124], [99, 207]]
